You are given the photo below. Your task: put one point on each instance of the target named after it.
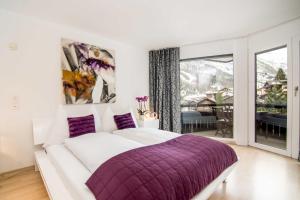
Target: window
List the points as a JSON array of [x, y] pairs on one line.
[[271, 97], [206, 86]]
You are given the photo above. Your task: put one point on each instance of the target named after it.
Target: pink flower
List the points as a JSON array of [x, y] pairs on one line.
[[142, 99], [145, 98]]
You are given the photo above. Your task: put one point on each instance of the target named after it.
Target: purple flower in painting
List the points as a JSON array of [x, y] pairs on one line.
[[81, 51], [98, 64]]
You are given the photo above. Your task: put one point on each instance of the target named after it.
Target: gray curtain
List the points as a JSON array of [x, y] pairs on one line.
[[165, 87]]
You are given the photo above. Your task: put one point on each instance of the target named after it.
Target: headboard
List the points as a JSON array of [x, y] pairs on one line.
[[41, 128]]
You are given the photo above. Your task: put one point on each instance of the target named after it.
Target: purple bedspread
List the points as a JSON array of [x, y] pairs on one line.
[[177, 169]]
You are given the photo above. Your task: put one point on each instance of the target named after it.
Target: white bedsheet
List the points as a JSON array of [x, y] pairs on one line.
[[71, 171], [146, 136], [94, 149]]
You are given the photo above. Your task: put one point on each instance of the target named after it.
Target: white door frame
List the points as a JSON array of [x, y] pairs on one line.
[[296, 102], [252, 95]]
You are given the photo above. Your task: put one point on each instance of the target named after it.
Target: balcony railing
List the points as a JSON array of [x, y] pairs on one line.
[[216, 118], [270, 118]]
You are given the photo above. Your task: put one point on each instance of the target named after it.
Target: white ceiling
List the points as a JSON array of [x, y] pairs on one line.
[[161, 23]]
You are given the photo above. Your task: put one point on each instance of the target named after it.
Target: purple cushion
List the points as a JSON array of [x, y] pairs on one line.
[[124, 121], [81, 125]]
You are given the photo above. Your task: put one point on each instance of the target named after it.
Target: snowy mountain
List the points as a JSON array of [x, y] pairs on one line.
[[266, 71], [202, 76]]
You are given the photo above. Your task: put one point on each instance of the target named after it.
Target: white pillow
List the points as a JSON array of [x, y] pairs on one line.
[[60, 129], [108, 122], [134, 119], [146, 136], [94, 149]]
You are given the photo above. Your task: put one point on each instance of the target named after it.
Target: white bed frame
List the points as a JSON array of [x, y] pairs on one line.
[[54, 184]]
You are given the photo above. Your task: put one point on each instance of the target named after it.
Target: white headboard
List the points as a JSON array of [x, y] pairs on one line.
[[41, 128]]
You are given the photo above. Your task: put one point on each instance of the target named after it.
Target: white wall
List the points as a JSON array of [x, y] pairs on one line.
[[241, 100], [238, 48], [32, 75], [207, 49]]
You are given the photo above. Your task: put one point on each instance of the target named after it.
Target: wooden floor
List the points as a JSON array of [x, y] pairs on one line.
[[260, 175], [25, 184]]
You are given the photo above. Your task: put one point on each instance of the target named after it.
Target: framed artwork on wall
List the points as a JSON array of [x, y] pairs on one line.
[[88, 73]]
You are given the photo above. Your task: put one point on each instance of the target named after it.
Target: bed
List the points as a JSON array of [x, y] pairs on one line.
[[64, 175]]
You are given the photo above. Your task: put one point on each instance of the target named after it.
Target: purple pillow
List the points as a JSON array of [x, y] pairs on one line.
[[81, 125], [124, 121]]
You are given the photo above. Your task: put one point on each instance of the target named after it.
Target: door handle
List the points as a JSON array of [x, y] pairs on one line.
[[296, 89]]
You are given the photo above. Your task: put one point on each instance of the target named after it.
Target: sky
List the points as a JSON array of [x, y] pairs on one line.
[[276, 56]]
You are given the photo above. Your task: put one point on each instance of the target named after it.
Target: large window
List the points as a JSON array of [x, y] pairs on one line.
[[207, 96], [271, 98]]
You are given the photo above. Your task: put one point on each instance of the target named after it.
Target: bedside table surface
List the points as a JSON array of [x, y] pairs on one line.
[[149, 123]]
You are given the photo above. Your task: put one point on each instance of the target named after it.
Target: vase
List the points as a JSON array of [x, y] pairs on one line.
[[141, 117]]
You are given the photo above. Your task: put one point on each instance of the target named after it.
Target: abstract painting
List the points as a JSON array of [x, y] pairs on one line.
[[88, 73]]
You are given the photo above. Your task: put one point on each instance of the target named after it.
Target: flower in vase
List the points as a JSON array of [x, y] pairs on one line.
[[142, 109]]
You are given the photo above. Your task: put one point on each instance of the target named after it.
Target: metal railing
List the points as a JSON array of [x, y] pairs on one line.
[[271, 119], [195, 119]]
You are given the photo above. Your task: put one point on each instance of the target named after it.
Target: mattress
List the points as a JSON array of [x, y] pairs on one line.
[[71, 171]]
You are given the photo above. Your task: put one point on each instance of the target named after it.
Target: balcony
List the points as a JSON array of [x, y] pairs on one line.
[[208, 119], [271, 125], [217, 121]]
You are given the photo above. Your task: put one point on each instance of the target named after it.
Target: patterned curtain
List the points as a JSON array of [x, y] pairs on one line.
[[165, 87]]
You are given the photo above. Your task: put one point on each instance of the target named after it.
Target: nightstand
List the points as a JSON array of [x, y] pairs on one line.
[[149, 123]]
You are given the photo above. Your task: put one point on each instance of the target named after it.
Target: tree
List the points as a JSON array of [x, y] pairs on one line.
[[219, 98], [276, 95], [280, 75]]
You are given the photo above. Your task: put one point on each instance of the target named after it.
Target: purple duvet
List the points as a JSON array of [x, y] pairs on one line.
[[177, 169]]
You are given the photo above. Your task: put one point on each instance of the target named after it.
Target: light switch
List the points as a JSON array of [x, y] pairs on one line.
[[15, 103], [13, 46]]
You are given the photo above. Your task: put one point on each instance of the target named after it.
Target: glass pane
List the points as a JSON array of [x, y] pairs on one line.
[[207, 96], [271, 98]]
